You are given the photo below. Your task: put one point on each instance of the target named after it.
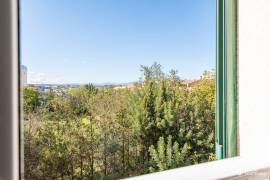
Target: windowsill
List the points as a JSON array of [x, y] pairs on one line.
[[212, 170]]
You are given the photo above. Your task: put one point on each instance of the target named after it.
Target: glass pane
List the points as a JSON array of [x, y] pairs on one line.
[[118, 88]]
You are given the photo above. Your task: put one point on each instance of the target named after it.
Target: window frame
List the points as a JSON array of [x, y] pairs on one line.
[[226, 79], [9, 92]]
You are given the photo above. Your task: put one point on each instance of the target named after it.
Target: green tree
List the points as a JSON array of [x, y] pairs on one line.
[[30, 99], [112, 133], [153, 72], [167, 155]]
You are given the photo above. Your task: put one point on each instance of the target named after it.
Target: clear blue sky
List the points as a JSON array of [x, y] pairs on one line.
[[98, 41]]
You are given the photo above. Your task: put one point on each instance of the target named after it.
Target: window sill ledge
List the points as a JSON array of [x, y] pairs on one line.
[[213, 170]]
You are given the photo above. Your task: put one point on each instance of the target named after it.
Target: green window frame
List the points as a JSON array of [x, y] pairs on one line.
[[226, 80]]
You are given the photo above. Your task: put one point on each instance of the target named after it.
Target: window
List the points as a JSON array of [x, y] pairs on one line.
[[96, 117], [226, 93]]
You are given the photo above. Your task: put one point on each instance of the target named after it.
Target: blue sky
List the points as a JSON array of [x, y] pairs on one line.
[[99, 41]]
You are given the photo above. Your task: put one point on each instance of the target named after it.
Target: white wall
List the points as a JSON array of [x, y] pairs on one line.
[[254, 77]]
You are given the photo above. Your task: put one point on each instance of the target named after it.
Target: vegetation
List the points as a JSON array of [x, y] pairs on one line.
[[112, 133]]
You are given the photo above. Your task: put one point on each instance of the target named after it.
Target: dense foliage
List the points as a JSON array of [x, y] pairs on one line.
[[111, 133]]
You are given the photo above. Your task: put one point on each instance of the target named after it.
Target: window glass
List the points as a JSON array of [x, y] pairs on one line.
[[119, 88]]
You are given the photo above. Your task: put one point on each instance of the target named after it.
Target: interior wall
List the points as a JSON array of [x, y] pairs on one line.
[[254, 77]]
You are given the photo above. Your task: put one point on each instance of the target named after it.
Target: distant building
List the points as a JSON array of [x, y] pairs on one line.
[[125, 86], [23, 75], [188, 83]]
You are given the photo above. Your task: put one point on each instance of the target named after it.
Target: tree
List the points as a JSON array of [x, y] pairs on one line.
[[30, 99], [166, 156], [147, 123], [110, 133], [153, 72]]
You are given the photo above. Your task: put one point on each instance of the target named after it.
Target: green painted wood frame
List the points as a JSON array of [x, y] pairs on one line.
[[226, 79]]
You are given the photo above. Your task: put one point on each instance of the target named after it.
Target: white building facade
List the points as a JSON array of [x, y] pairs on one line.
[[23, 76]]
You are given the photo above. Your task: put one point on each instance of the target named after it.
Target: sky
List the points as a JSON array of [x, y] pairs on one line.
[[106, 41]]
